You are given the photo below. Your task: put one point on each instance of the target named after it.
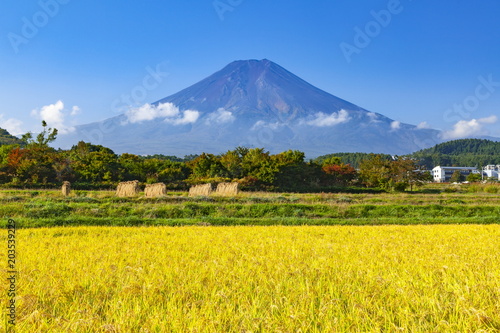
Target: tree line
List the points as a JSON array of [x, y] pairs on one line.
[[463, 152], [33, 163]]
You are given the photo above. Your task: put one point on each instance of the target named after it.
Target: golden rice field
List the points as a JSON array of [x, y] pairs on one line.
[[439, 278]]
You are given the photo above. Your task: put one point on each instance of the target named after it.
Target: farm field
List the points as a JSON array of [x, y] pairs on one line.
[[418, 278], [103, 208], [257, 262]]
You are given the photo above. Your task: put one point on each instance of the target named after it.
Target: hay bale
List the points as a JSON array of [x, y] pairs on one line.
[[66, 188], [155, 190], [205, 190], [128, 189], [228, 189]]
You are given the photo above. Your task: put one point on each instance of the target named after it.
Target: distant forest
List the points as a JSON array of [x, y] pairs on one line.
[[464, 152]]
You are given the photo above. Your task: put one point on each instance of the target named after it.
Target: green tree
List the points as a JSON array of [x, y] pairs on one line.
[[206, 166], [62, 167], [375, 171], [397, 174], [46, 136], [290, 171], [473, 177], [332, 160], [94, 163], [165, 171], [131, 167], [173, 172], [231, 161], [457, 177], [257, 163]]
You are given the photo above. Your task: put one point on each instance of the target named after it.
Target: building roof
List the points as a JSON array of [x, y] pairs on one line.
[[456, 168]]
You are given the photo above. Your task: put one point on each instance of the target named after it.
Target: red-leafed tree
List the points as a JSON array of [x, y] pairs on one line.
[[339, 174], [14, 159], [34, 163]]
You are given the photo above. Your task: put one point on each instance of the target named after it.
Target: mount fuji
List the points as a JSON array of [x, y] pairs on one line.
[[252, 103]]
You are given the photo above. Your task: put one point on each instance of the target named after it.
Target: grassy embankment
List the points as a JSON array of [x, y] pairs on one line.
[[50, 208]]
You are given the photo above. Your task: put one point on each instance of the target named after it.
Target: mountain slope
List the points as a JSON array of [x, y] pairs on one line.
[[256, 104], [7, 139], [463, 152], [464, 146], [251, 85]]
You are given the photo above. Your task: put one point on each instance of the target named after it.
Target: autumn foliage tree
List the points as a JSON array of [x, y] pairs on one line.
[[396, 174], [34, 162], [339, 174]]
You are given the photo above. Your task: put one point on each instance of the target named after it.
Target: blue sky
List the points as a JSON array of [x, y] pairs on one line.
[[421, 62]]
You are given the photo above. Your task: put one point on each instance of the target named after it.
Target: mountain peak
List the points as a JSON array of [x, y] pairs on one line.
[[245, 67], [252, 62], [256, 103], [257, 86]]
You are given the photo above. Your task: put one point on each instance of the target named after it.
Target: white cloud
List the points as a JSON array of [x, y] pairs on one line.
[[221, 116], [189, 117], [396, 124], [423, 125], [262, 124], [168, 111], [464, 128], [52, 113], [54, 116], [373, 117], [323, 120], [12, 125], [150, 112], [489, 120], [75, 111]]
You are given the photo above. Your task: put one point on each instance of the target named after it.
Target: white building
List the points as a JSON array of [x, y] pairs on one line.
[[443, 174], [492, 171]]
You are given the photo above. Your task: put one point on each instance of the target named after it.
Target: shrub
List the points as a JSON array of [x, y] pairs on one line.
[[47, 211], [491, 189], [400, 186]]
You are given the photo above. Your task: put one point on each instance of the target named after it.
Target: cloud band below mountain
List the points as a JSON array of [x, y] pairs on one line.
[[324, 120], [168, 111]]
